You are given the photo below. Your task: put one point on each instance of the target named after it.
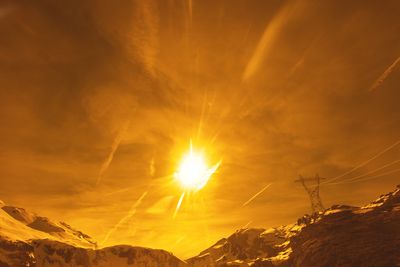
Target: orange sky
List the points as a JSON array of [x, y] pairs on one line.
[[99, 100]]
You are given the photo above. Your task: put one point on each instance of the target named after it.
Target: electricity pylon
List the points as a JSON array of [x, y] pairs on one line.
[[311, 185]]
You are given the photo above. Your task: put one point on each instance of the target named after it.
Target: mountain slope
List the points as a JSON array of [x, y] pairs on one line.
[[53, 253], [19, 224], [340, 236], [29, 240]]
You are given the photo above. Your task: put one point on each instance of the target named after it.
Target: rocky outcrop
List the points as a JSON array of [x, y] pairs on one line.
[[366, 236], [339, 236], [40, 253]]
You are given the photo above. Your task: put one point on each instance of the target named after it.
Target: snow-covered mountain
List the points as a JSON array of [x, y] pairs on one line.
[[18, 224], [340, 236], [29, 240]]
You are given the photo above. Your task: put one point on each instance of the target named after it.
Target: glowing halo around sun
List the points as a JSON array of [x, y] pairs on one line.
[[193, 172]]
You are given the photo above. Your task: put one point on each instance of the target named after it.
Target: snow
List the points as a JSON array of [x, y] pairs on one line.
[[310, 241], [17, 224], [27, 239]]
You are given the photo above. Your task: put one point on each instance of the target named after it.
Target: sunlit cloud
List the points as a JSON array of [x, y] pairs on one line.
[[273, 88]]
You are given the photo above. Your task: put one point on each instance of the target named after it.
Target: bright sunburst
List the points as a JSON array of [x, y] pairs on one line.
[[193, 172]]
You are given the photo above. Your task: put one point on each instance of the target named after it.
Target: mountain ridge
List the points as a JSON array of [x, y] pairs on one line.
[[339, 236]]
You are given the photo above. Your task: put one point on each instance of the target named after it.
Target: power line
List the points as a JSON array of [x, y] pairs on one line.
[[362, 164], [366, 174], [369, 178]]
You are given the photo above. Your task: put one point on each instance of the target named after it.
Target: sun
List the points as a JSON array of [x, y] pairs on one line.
[[193, 172]]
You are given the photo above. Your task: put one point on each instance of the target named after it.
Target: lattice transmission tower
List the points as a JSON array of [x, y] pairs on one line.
[[311, 185]]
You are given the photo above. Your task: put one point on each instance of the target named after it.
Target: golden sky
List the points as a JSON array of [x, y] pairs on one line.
[[99, 100]]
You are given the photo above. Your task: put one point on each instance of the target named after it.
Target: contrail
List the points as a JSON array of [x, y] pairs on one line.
[[114, 147], [246, 225], [179, 240], [384, 75], [131, 212], [191, 11], [179, 204], [257, 194], [146, 33], [267, 39], [152, 167]]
